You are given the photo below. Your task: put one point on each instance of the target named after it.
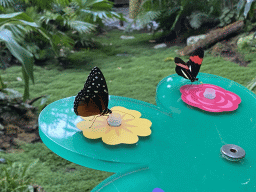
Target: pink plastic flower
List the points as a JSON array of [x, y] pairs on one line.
[[224, 100]]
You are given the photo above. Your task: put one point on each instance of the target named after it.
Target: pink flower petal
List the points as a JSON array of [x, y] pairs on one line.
[[221, 101], [191, 100], [206, 103], [233, 96], [224, 100], [228, 105]]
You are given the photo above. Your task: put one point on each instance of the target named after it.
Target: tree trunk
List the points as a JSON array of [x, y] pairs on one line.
[[213, 37], [134, 6]]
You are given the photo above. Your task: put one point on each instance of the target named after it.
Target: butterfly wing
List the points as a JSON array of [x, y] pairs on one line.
[[195, 61], [93, 98], [182, 69]]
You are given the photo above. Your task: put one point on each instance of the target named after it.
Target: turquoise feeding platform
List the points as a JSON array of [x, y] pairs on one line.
[[59, 133], [183, 152]]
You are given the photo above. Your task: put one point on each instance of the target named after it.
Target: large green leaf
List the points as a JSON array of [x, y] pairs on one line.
[[177, 17], [24, 56], [89, 3], [18, 16], [18, 27]]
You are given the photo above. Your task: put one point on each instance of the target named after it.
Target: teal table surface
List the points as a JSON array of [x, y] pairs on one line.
[[57, 129], [181, 154]]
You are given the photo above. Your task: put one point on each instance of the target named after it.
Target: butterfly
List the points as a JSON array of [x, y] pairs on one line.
[[190, 69], [93, 98]]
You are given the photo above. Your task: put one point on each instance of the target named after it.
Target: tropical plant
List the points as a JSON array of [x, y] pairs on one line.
[[45, 4], [79, 19], [17, 27], [247, 10], [14, 177], [13, 28], [95, 11], [6, 3], [171, 15], [66, 19], [228, 16]]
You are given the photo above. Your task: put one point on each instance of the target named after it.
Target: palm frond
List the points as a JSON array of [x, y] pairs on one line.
[[100, 14], [197, 18], [81, 26], [49, 16], [91, 3], [6, 3], [144, 18], [148, 16]]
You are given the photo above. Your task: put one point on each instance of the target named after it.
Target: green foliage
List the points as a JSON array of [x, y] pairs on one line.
[[228, 16], [171, 14], [6, 3], [45, 4], [198, 18], [248, 10], [14, 177], [13, 28], [5, 57], [49, 27], [67, 19], [54, 173], [95, 11], [252, 84], [2, 84], [167, 18]]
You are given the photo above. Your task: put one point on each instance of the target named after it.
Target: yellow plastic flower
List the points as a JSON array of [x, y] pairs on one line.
[[131, 127]]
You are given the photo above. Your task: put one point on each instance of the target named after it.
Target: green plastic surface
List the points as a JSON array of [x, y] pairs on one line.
[[181, 154], [57, 123]]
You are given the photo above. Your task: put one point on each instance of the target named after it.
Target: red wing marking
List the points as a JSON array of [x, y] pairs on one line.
[[183, 66], [196, 60]]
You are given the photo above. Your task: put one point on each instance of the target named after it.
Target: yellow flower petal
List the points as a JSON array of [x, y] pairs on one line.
[[131, 127], [124, 136], [93, 130], [142, 127]]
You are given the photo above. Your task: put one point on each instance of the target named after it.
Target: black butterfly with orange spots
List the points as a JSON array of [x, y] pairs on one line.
[[93, 98], [190, 69]]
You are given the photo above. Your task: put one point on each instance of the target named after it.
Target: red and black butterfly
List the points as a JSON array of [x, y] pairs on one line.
[[190, 69], [93, 98]]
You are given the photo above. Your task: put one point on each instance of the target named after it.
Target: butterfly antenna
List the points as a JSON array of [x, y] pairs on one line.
[[93, 120], [125, 113]]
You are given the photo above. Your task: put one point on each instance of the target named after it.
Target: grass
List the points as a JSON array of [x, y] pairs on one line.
[[126, 76]]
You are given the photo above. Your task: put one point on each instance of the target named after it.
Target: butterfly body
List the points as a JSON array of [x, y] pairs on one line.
[[93, 98], [190, 69]]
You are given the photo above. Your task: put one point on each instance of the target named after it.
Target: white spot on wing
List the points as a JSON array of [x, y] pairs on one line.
[[184, 74]]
